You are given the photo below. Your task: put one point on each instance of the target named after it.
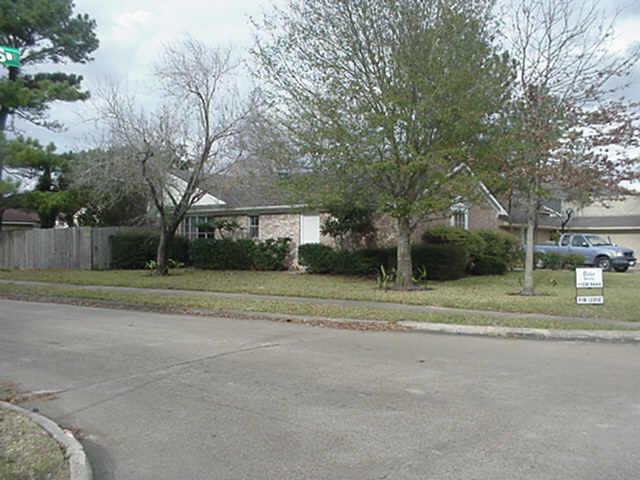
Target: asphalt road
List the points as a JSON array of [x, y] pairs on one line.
[[178, 397]]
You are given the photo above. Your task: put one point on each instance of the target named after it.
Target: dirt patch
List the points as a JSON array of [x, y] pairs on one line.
[[9, 393], [27, 452]]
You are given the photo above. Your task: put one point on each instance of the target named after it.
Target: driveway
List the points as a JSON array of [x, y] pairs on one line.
[[179, 397]]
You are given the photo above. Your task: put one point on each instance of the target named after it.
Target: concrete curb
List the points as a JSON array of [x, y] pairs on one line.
[[532, 333], [611, 336], [78, 462]]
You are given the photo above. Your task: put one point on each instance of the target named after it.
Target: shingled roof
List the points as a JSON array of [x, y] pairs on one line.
[[20, 216]]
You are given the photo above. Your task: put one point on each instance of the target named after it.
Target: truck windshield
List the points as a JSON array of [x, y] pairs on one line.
[[597, 241]]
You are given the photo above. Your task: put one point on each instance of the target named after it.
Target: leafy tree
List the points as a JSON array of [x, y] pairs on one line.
[[382, 99], [350, 225], [569, 128], [51, 196], [45, 32]]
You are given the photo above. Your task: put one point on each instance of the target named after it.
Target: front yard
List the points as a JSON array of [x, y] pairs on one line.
[[483, 293]]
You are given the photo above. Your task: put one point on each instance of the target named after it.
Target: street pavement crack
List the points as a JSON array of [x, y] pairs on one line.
[[158, 374]]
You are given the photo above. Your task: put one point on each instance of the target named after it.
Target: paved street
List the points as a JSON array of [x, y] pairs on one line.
[[178, 397]]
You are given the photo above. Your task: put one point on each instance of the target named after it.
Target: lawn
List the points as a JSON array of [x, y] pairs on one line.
[[484, 293], [29, 452], [250, 307]]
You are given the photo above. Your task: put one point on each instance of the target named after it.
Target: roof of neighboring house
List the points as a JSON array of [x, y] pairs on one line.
[[20, 216], [614, 221]]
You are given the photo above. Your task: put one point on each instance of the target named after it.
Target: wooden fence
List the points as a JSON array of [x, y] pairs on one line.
[[81, 248]]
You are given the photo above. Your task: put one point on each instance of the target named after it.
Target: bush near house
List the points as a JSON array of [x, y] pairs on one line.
[[489, 265], [471, 241], [504, 246], [132, 251], [228, 254], [443, 262], [491, 249]]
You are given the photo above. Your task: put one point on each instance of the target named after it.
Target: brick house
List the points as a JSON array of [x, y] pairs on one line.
[[262, 210]]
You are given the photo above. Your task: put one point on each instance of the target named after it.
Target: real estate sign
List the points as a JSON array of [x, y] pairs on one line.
[[9, 57], [589, 278]]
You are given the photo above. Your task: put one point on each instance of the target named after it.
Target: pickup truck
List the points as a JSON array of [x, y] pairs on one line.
[[597, 251]]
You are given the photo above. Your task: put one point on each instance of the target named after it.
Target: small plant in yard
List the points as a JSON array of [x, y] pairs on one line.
[[152, 265], [386, 279], [420, 275]]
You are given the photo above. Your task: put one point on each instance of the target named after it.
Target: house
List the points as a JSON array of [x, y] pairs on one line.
[[19, 219], [261, 209]]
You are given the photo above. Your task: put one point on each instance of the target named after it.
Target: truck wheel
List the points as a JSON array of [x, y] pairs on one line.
[[621, 268], [603, 262]]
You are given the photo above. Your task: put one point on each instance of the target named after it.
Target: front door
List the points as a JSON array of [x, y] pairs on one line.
[[309, 229]]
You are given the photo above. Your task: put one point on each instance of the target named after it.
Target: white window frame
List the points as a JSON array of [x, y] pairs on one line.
[[251, 228], [459, 208]]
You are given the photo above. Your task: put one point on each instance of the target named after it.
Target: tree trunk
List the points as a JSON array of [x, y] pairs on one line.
[[166, 236], [532, 214], [404, 271]]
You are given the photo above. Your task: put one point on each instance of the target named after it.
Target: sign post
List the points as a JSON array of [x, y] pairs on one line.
[[589, 279], [9, 57]]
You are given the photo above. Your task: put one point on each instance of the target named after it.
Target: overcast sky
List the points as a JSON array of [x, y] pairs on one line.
[[132, 32]]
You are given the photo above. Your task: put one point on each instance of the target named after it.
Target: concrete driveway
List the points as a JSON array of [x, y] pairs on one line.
[[179, 397]]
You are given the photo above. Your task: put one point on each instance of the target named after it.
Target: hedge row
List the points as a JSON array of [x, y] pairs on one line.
[[133, 251], [442, 262], [227, 254], [491, 252]]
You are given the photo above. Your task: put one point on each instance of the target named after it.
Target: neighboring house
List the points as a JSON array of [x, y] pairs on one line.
[[19, 219], [617, 220]]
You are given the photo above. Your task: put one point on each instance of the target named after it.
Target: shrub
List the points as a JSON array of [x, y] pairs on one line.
[[472, 242], [271, 254], [559, 261], [133, 250], [317, 258], [442, 262], [228, 254], [502, 245], [573, 261], [489, 265], [224, 254]]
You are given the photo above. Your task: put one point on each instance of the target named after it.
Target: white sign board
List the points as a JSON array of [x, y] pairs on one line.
[[589, 278], [592, 300]]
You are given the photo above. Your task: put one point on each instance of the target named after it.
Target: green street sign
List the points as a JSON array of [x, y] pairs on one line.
[[9, 57]]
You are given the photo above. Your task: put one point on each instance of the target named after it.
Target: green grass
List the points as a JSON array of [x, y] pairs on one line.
[[218, 304], [27, 451], [484, 293]]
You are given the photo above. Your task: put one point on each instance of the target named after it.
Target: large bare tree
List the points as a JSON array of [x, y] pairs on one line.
[[174, 152], [570, 127]]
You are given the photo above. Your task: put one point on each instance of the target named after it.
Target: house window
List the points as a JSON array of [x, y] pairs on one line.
[[205, 229], [460, 218], [254, 226]]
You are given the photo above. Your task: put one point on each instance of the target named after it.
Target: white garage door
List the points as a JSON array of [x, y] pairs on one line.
[[309, 229]]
